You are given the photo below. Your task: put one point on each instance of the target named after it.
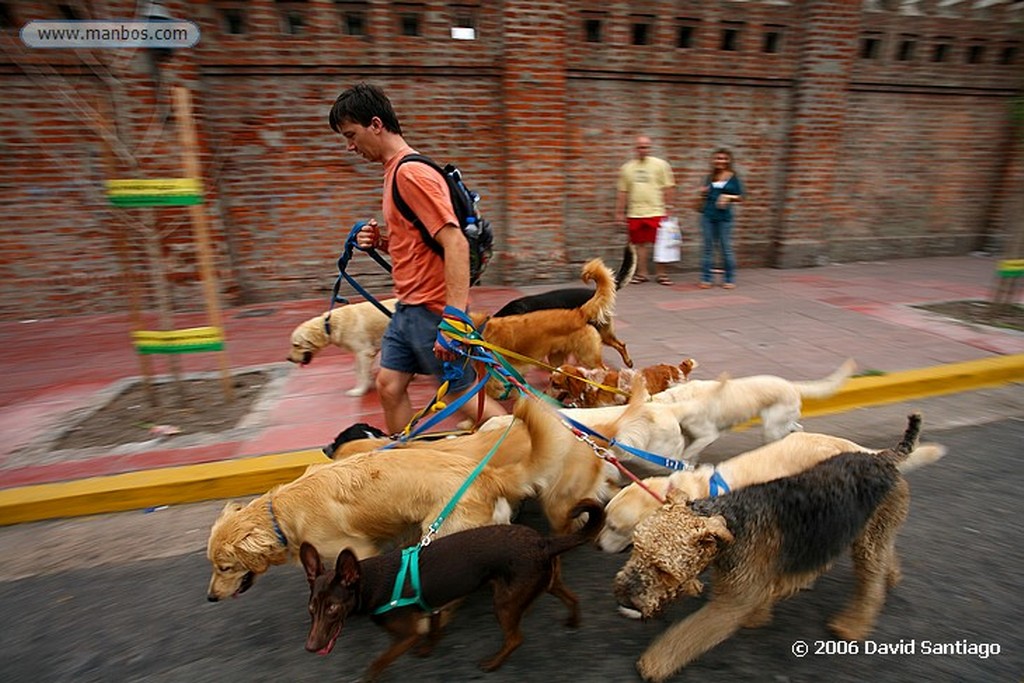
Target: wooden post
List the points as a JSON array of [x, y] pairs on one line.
[[190, 155]]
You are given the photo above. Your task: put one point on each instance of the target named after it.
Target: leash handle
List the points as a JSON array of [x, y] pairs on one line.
[[343, 260]]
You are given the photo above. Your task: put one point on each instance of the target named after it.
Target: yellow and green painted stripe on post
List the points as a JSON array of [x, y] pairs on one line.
[[191, 340], [1010, 268], [155, 192]]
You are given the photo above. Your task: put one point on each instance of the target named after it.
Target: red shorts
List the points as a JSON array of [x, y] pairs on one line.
[[643, 230]]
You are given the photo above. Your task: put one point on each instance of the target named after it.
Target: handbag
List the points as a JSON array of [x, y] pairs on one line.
[[668, 241]]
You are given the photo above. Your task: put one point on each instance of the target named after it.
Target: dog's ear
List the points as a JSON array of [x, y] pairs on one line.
[[676, 496], [346, 569], [718, 529], [257, 548], [232, 506], [311, 562]]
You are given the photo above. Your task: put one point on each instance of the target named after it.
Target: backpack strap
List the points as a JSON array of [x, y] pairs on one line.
[[406, 210]]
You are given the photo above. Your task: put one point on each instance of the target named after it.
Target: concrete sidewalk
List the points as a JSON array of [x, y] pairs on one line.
[[799, 324]]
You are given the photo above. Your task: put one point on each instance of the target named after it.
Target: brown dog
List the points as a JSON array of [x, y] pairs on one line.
[[577, 387], [516, 560], [355, 327], [553, 336], [764, 543]]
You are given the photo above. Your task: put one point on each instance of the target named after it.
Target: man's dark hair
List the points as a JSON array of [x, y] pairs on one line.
[[361, 103]]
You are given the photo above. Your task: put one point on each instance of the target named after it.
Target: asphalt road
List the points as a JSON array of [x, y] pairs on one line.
[[961, 550]]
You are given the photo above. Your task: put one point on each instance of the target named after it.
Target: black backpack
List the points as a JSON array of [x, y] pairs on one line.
[[476, 228]]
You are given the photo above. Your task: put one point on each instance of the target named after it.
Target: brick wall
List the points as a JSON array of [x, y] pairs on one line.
[[847, 152]]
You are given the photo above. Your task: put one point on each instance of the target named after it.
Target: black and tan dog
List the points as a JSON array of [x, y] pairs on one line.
[[516, 560], [574, 297], [764, 543]]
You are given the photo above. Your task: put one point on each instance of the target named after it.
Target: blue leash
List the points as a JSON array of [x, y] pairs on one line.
[[346, 256]]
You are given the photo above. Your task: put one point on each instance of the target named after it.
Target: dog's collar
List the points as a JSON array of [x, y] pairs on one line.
[[327, 323], [717, 485], [277, 527]]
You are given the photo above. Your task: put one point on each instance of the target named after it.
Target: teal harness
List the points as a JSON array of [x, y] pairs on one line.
[[411, 556]]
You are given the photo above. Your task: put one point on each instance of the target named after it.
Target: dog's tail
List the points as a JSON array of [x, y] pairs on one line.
[[924, 454], [586, 533], [550, 441], [600, 307], [901, 452], [823, 388], [628, 268]]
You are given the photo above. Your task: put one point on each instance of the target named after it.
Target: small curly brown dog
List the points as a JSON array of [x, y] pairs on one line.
[[579, 387], [516, 560], [764, 543]]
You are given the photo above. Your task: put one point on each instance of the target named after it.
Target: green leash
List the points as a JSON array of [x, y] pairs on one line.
[[411, 556]]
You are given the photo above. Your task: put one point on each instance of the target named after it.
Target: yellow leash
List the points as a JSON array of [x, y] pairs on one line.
[[463, 329]]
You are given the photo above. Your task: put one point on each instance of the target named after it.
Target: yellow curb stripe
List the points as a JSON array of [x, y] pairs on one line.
[[163, 486], [250, 476], [908, 385]]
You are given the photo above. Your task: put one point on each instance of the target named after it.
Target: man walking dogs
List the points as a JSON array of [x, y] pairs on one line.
[[424, 282], [645, 193]]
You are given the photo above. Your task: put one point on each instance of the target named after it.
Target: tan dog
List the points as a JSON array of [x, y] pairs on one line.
[[578, 387], [369, 500], [764, 543], [706, 407], [357, 328], [552, 336], [790, 455], [667, 422], [578, 474]]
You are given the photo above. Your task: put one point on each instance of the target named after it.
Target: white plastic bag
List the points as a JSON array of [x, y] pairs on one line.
[[668, 241]]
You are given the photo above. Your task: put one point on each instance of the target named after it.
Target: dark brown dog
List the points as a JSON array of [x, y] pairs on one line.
[[569, 383], [516, 560]]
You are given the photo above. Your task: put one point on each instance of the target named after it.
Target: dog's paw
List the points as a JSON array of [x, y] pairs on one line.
[[357, 391], [651, 670], [848, 627]]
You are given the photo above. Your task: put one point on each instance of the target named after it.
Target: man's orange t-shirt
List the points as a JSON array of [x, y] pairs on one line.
[[417, 271]]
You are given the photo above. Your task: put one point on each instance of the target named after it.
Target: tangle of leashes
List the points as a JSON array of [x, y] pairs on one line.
[[457, 334]]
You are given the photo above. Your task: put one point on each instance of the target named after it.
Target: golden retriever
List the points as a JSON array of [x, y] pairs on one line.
[[578, 387], [369, 500], [790, 455], [552, 336], [357, 328], [577, 474]]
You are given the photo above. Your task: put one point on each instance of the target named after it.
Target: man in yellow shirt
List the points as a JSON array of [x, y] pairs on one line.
[[645, 193]]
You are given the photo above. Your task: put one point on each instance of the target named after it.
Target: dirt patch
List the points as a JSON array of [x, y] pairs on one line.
[[1009, 316], [197, 406]]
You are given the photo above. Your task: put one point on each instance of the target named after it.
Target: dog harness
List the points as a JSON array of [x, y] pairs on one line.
[[410, 566], [717, 485]]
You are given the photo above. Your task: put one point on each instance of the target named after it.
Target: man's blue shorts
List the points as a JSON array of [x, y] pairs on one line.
[[408, 346]]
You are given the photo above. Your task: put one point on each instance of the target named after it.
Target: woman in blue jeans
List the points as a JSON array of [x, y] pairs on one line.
[[720, 189]]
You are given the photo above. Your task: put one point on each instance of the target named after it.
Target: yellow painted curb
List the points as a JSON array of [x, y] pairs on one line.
[[164, 486], [908, 385], [249, 476]]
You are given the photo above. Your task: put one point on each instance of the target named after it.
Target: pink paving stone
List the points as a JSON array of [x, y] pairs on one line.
[[716, 302]]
